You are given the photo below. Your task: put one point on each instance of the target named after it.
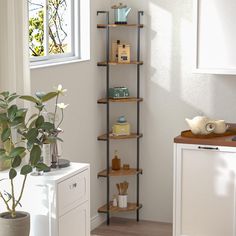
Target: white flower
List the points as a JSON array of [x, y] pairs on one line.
[[62, 105], [60, 90]]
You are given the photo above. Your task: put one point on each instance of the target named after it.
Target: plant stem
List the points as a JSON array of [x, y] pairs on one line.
[[62, 117], [5, 201], [55, 112], [22, 190], [13, 213]]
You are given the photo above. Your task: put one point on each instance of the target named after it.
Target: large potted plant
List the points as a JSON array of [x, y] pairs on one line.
[[21, 136]]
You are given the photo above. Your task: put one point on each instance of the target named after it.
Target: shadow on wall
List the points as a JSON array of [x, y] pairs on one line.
[[167, 65], [171, 93]]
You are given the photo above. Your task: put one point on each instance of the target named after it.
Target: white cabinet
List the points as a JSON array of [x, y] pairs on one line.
[[80, 226], [204, 190], [215, 36], [59, 202]]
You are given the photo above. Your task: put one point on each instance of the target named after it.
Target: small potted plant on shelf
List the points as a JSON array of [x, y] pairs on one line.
[[22, 139]]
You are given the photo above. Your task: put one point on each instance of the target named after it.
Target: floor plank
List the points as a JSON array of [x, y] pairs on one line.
[[127, 227]]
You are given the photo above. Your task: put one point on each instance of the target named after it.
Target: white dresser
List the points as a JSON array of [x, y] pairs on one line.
[[59, 202], [204, 187]]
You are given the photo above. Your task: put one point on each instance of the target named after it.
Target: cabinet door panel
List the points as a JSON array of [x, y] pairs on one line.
[[208, 193], [75, 222], [215, 36], [72, 192]]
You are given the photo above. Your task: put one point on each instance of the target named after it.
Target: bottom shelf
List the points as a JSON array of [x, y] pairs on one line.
[[131, 207]]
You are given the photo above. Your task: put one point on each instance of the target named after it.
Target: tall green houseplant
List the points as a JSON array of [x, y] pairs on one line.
[[19, 138], [21, 135]]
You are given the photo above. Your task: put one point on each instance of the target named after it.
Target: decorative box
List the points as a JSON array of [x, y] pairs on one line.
[[114, 51], [124, 53], [120, 129], [118, 92]]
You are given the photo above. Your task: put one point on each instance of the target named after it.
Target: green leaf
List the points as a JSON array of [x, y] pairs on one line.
[[16, 162], [8, 195], [8, 145], [49, 96], [30, 99], [12, 173], [47, 126], [26, 169], [35, 155], [3, 105], [32, 134], [17, 151], [6, 134], [39, 121], [21, 112], [11, 112], [2, 152], [5, 158], [12, 97], [42, 167], [3, 117], [5, 94], [30, 145], [18, 121]]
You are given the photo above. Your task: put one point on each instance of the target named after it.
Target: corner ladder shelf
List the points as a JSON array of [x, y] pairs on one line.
[[107, 137]]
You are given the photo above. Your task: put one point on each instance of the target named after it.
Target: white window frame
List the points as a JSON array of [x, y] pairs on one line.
[[80, 39]]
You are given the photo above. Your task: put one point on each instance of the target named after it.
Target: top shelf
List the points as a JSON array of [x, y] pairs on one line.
[[103, 26]]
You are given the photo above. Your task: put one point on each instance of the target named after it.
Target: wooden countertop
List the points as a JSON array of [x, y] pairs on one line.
[[218, 141]]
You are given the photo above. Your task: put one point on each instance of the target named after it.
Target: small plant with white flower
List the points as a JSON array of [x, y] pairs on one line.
[[49, 133]]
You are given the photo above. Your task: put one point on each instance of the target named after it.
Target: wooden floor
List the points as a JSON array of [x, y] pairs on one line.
[[126, 227]]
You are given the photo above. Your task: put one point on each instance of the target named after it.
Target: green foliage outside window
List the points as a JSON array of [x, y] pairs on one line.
[[36, 34], [58, 24]]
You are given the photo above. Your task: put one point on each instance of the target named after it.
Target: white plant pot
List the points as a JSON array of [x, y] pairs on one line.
[[19, 226], [123, 201]]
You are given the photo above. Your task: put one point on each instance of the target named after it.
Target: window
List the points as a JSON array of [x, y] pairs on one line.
[[55, 30]]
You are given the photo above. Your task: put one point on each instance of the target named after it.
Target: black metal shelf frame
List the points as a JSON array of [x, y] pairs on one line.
[[107, 28]]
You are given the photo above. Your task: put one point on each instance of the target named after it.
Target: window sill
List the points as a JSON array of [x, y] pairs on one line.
[[38, 65]]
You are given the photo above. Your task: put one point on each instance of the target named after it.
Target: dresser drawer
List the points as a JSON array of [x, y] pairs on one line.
[[72, 192]]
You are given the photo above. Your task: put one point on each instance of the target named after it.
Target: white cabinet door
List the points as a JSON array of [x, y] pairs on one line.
[[204, 191], [73, 192], [215, 36], [75, 222]]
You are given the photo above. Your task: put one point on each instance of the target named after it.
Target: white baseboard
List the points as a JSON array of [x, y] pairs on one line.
[[97, 220]]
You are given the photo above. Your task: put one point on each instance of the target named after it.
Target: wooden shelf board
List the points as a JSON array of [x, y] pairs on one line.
[[131, 136], [103, 26], [131, 207], [120, 172], [113, 63], [120, 100]]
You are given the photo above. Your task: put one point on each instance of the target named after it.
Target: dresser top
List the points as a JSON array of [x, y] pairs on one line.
[[63, 173], [218, 141], [54, 176]]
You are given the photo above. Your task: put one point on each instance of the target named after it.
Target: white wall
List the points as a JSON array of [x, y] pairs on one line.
[[170, 90]]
